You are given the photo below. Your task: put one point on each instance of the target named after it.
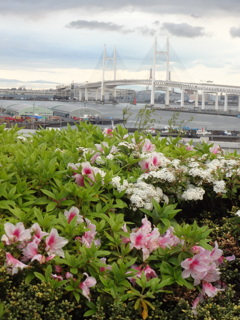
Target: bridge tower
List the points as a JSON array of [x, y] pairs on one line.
[[105, 58], [166, 53]]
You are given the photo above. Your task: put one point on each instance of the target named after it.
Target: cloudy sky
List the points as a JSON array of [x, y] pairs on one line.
[[59, 41]]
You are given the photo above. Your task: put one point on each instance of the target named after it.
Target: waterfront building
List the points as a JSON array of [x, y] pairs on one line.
[[26, 108], [26, 94]]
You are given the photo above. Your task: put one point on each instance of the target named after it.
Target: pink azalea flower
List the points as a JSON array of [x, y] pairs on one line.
[[148, 146], [145, 164], [72, 213], [54, 243], [230, 258], [89, 236], [88, 171], [169, 239], [216, 253], [108, 132], [189, 147], [195, 267], [210, 290], [213, 274], [145, 238], [215, 149], [197, 249], [149, 272], [73, 166], [196, 302], [138, 239], [146, 225], [14, 264], [100, 146], [138, 274], [156, 160], [58, 268], [152, 240], [151, 163], [148, 239], [38, 234], [86, 284], [108, 267], [68, 275], [15, 233], [204, 265], [79, 179], [95, 156], [57, 277], [30, 251]]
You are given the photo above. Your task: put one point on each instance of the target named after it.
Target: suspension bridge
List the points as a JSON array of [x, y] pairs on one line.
[[165, 84]]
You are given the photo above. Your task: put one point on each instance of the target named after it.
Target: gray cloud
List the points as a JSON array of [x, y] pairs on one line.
[[183, 30], [179, 30], [235, 32], [195, 15], [111, 27], [96, 25], [145, 31], [196, 7]]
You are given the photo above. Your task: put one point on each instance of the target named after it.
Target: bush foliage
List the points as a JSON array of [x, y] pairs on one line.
[[101, 224]]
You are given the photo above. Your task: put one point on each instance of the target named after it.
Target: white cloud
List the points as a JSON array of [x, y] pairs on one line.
[[36, 44]]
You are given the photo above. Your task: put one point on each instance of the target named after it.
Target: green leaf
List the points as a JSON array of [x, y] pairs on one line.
[[166, 222], [67, 203], [48, 193], [51, 206], [41, 200], [89, 313], [74, 270], [166, 268], [120, 204], [69, 288], [48, 271], [4, 204], [40, 276], [29, 278], [168, 280], [76, 295]]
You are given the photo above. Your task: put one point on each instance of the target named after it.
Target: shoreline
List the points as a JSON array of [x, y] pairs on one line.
[[229, 113]]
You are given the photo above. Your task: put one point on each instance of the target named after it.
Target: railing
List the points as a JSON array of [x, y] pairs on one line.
[[172, 84]]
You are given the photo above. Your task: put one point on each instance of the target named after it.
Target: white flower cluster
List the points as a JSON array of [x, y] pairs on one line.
[[85, 150], [204, 174], [99, 161], [176, 163], [219, 186], [141, 195], [59, 150], [172, 174], [128, 145], [193, 193], [192, 163], [101, 172], [110, 156], [238, 213], [120, 186], [162, 175]]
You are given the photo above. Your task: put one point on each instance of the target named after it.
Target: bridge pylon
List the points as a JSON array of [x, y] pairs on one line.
[[105, 58], [166, 53]]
